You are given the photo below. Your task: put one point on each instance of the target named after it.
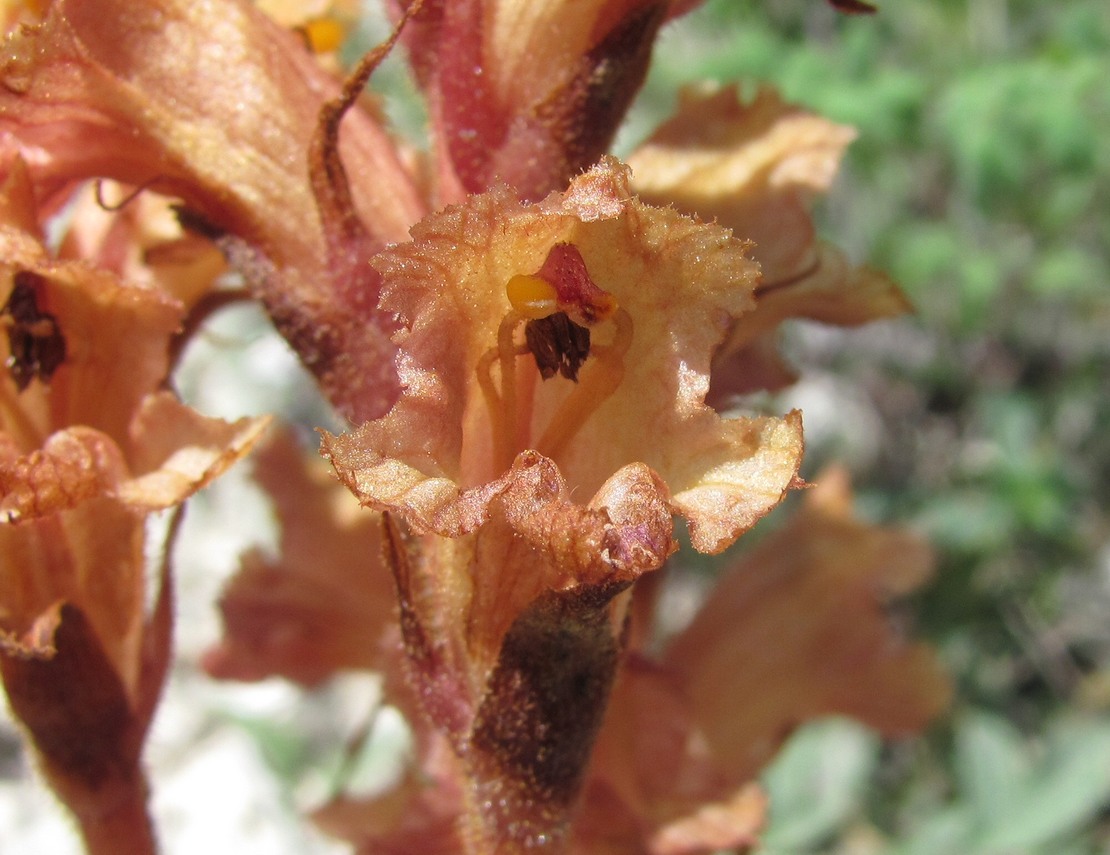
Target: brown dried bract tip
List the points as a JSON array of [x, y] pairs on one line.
[[853, 7], [37, 347]]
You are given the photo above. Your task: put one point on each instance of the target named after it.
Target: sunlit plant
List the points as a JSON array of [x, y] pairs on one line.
[[538, 350]]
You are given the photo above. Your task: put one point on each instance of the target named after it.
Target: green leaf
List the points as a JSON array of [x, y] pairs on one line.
[[1063, 794], [991, 766], [817, 783]]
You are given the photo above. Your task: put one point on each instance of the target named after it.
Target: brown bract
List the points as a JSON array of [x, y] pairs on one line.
[[755, 167], [215, 103]]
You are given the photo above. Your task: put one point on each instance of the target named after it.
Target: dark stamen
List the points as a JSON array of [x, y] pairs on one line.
[[558, 344], [35, 341]]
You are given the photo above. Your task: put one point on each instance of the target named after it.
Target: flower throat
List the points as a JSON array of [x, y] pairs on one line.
[[557, 307]]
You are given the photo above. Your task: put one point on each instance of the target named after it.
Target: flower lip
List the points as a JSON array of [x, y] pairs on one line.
[[472, 405]]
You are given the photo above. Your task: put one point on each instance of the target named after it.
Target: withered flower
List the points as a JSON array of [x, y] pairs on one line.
[[541, 500]]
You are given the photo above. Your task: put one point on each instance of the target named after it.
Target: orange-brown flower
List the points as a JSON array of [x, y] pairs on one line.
[[542, 499]]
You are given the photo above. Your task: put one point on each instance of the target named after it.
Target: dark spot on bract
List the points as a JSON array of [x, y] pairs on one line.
[[35, 342], [558, 344], [543, 705]]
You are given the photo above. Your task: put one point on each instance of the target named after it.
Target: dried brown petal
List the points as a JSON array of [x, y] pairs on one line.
[[324, 604], [798, 628]]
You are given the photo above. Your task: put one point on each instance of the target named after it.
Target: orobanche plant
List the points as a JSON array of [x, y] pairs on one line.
[[538, 350]]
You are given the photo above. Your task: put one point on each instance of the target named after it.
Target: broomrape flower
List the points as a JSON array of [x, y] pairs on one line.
[[523, 346], [551, 351], [89, 446]]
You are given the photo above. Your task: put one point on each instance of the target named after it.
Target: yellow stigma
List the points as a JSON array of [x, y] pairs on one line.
[[324, 35], [532, 296]]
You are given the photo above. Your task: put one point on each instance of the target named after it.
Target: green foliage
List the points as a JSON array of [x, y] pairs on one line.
[[1010, 795], [1017, 798], [817, 784]]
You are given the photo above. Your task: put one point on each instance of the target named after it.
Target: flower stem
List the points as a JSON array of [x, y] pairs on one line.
[[122, 826]]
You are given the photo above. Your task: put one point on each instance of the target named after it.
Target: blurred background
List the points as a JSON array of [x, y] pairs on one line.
[[981, 182]]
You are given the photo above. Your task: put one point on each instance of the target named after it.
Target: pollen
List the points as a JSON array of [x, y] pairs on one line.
[[532, 297]]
